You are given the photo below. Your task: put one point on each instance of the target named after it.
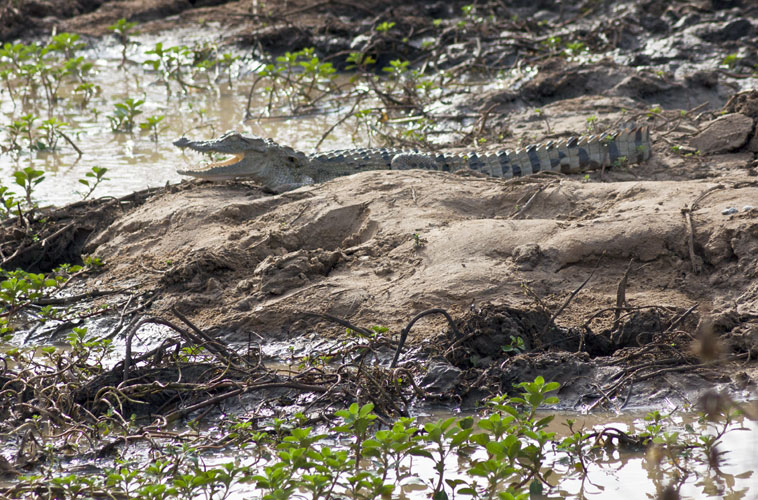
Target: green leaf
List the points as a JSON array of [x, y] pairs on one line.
[[535, 487]]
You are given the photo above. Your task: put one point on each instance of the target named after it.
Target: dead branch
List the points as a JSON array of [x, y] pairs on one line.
[[407, 329]]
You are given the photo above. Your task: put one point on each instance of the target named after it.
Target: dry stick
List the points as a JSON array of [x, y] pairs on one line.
[[76, 298], [38, 243], [218, 348], [529, 202], [628, 396], [407, 329], [340, 321], [133, 327], [68, 139], [23, 218], [340, 121], [421, 393], [621, 293], [403, 412], [483, 118], [125, 311], [687, 212], [628, 310], [736, 75], [621, 296], [631, 377], [678, 320], [459, 342], [603, 394], [636, 354], [248, 115], [217, 399], [324, 394], [568, 301]]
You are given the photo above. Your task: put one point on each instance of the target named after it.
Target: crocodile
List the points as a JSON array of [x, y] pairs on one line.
[[282, 168]]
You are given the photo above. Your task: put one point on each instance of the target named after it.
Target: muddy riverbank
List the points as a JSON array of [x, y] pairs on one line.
[[634, 287], [605, 265]]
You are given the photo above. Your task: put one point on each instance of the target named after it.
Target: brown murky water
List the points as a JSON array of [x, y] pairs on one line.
[[134, 160]]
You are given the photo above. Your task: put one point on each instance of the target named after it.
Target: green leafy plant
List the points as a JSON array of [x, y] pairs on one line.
[[576, 48], [7, 200], [53, 129], [88, 347], [356, 420], [96, 175], [552, 44], [171, 63], [24, 127], [385, 26], [541, 113], [19, 288], [443, 438], [591, 123], [124, 113], [359, 61], [28, 179], [397, 68], [65, 43], [226, 62], [123, 30], [87, 90], [730, 60], [516, 345], [298, 78], [152, 125]]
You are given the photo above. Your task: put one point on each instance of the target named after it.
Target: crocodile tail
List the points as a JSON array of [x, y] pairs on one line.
[[572, 155]]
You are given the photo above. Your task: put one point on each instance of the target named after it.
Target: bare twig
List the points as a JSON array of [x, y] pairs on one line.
[[570, 298], [340, 321], [529, 202], [687, 211], [407, 329], [681, 318], [621, 295], [73, 145]]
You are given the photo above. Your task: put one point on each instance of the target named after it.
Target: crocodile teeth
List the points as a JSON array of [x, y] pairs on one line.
[[204, 167], [236, 158]]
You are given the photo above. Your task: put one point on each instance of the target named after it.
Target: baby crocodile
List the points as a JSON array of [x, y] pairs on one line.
[[281, 168]]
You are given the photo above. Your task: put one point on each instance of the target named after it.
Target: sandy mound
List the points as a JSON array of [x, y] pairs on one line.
[[379, 247]]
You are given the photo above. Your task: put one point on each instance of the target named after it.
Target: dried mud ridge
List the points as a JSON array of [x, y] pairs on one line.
[[637, 286]]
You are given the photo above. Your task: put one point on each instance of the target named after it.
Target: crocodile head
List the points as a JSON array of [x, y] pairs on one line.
[[259, 159]]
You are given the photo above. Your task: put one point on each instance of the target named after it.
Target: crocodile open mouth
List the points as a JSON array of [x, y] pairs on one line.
[[203, 165], [236, 158]]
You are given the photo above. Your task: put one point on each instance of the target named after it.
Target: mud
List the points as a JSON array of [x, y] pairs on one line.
[[598, 276]]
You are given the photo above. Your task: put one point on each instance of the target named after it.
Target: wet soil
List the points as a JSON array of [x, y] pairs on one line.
[[632, 285]]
